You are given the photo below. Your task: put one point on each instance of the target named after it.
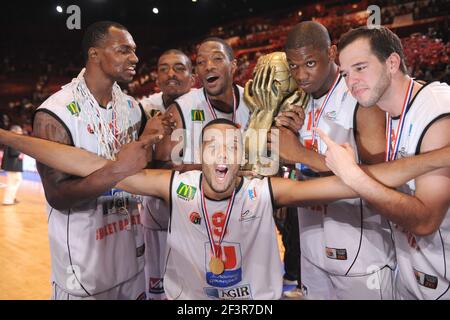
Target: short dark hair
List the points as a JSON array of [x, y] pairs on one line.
[[228, 49], [218, 121], [97, 33], [383, 42], [176, 51], [308, 33]]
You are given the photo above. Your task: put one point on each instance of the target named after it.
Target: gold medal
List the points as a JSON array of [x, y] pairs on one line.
[[216, 265]]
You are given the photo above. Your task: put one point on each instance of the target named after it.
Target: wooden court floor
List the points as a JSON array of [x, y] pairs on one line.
[[24, 246]]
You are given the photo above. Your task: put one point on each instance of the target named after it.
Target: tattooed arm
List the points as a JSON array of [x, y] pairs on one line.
[[64, 191]]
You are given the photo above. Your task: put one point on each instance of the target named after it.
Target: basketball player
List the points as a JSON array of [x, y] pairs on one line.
[[222, 242], [218, 98], [343, 243], [417, 121], [96, 240], [174, 78]]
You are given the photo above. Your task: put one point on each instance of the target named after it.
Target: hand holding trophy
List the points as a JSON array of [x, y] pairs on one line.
[[272, 90]]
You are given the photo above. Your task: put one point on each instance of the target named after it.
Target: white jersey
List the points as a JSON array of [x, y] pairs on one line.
[[345, 237], [195, 113], [92, 249], [253, 268], [154, 213], [423, 267], [152, 104]]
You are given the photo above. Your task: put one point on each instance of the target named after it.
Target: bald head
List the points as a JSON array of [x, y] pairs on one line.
[[308, 33]]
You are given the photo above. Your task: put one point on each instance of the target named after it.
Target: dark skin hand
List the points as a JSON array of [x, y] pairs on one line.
[[64, 191], [370, 141]]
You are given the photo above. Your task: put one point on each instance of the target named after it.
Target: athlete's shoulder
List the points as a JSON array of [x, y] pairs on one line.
[[60, 99], [187, 99], [154, 100], [439, 92], [192, 176]]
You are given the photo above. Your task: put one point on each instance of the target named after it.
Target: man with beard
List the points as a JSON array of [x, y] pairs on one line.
[[221, 237], [343, 243], [417, 121]]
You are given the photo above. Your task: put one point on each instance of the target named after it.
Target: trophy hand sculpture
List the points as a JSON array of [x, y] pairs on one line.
[[272, 90]]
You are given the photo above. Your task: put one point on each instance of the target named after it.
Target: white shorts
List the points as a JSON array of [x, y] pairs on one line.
[[318, 284], [133, 289], [155, 262]]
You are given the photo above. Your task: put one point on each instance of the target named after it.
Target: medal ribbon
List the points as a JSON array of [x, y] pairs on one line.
[[213, 111], [316, 119], [208, 224], [392, 146]]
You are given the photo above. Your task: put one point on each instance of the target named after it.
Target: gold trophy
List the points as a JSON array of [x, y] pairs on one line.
[[272, 90]]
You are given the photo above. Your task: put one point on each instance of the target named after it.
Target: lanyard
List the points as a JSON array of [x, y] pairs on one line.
[[213, 111]]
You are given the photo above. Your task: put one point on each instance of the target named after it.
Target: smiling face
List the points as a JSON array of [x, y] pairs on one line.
[[174, 75], [214, 68], [310, 67], [366, 76], [222, 151], [116, 55]]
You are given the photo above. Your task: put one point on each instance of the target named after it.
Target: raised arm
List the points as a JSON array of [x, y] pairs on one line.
[[421, 213], [392, 174], [89, 167], [63, 190]]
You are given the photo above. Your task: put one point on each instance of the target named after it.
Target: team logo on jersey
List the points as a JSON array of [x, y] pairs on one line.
[[186, 192], [197, 115], [331, 115], [236, 293], [252, 193], [337, 254], [426, 280], [156, 286], [230, 253], [153, 113], [73, 108], [247, 216], [402, 152], [89, 129], [130, 104], [195, 218]]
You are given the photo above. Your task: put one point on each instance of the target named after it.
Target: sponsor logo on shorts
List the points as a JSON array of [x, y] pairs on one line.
[[337, 254], [243, 292], [197, 115], [73, 108], [195, 218], [156, 286], [186, 192], [426, 280]]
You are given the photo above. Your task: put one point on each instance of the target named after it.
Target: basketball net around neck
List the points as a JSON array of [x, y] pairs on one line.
[[111, 127]]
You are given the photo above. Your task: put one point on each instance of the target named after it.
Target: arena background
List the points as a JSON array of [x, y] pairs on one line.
[[39, 53]]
